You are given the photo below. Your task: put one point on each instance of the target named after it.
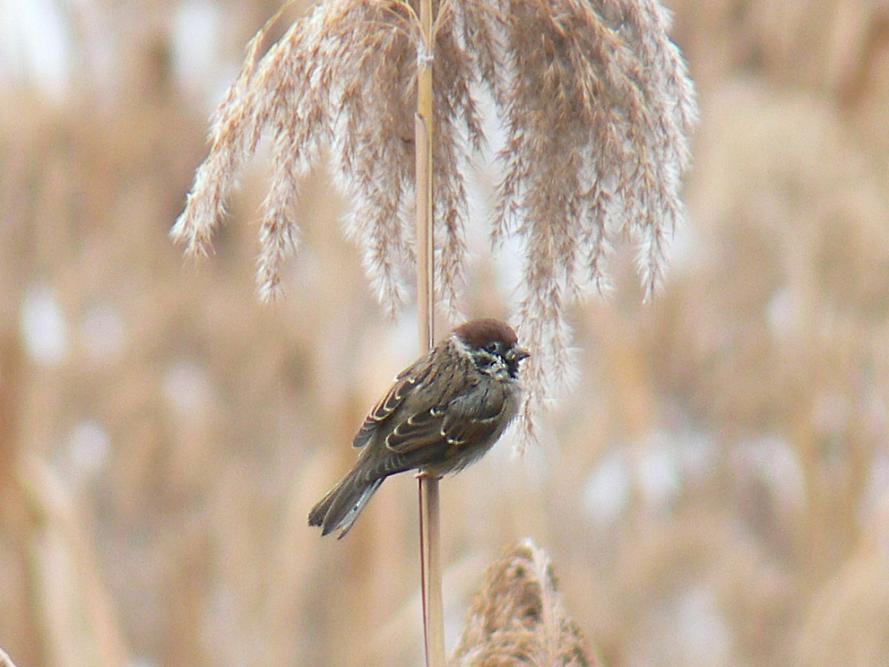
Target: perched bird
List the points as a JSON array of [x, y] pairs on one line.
[[442, 414]]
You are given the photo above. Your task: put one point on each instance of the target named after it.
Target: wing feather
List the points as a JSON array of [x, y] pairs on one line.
[[470, 418], [386, 406], [473, 421], [416, 431]]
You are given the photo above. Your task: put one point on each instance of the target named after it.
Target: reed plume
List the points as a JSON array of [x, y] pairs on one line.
[[518, 617], [596, 107]]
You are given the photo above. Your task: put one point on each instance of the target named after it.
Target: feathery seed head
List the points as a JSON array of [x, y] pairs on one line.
[[518, 616], [596, 107]]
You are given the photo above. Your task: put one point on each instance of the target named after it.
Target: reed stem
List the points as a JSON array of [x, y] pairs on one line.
[[430, 543]]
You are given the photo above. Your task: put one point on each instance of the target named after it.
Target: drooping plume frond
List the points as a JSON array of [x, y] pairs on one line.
[[596, 108], [518, 617], [372, 57], [341, 76]]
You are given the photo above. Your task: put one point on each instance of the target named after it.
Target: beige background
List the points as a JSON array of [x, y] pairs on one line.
[[712, 491]]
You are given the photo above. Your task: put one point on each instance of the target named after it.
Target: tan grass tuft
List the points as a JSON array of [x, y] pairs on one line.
[[518, 617]]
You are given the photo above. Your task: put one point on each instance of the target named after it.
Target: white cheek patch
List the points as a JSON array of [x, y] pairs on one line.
[[460, 346]]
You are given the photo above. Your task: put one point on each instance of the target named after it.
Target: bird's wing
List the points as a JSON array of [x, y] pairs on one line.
[[417, 430], [470, 418], [404, 384]]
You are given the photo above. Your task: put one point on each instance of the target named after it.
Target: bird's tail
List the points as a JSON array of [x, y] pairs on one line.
[[343, 503]]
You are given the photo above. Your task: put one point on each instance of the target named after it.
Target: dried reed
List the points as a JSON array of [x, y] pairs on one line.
[[429, 505], [597, 109], [518, 617], [70, 607]]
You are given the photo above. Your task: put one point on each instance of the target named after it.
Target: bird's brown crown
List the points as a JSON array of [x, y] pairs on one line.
[[478, 333]]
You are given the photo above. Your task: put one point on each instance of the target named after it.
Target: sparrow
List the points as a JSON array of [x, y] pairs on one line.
[[443, 413]]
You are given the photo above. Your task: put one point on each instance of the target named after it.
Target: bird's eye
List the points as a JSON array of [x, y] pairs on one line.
[[493, 348]]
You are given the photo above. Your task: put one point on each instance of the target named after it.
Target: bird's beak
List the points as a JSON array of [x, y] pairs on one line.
[[520, 353]]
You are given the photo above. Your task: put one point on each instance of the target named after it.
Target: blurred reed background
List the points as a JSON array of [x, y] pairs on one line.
[[713, 491]]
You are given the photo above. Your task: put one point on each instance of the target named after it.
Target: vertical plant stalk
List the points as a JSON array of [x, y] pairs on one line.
[[430, 524]]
